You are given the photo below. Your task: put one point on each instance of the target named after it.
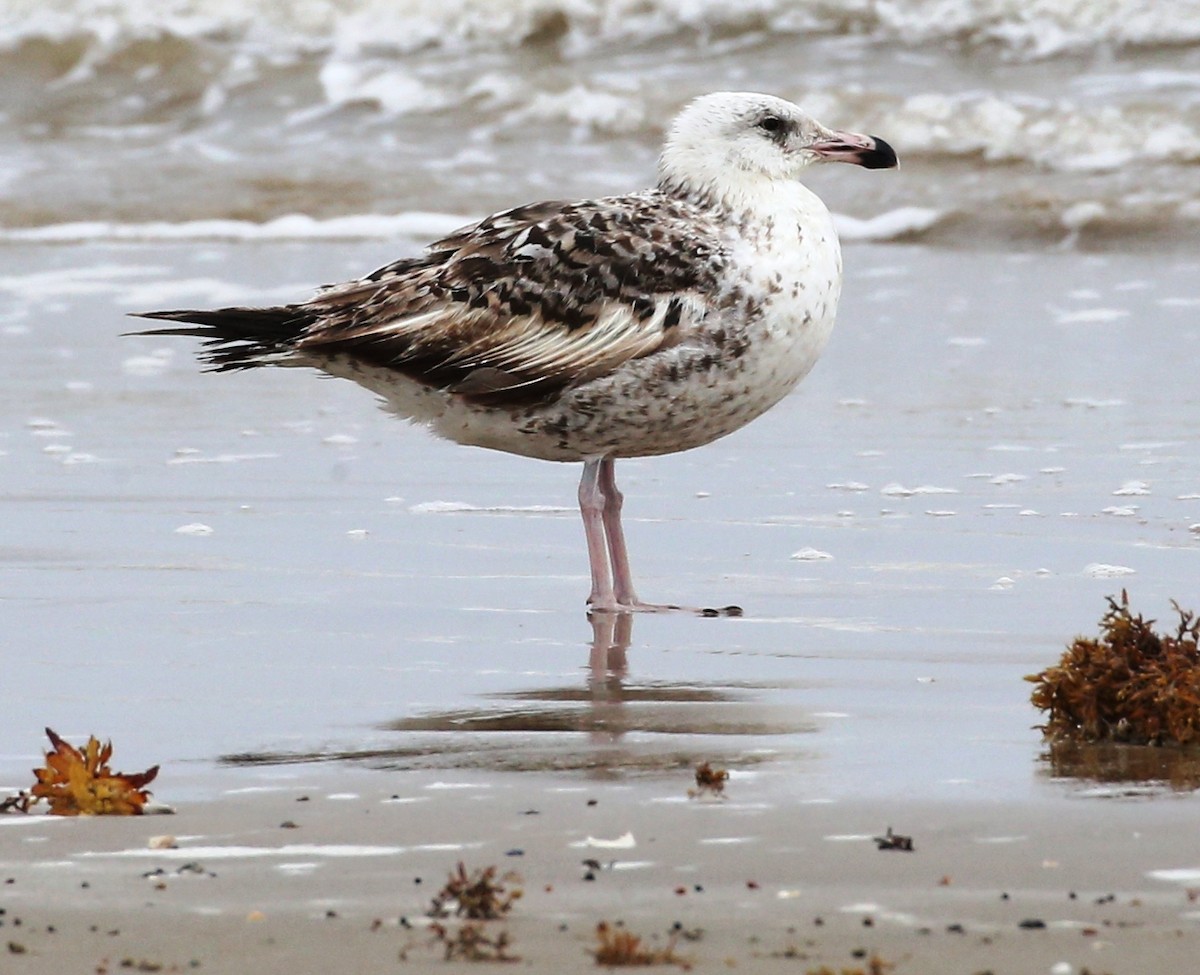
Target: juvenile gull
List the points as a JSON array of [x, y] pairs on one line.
[[626, 326]]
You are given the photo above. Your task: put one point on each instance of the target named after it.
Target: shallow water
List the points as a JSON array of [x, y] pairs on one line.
[[993, 443]]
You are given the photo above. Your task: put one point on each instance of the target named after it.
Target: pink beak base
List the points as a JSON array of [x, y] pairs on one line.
[[868, 151]]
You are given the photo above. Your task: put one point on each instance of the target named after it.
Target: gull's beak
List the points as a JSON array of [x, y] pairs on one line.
[[868, 151]]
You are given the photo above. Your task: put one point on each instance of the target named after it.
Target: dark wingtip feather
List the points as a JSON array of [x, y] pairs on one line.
[[170, 316], [177, 316], [235, 338]]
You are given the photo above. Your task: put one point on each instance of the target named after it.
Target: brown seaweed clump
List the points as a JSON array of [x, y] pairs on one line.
[[875, 966], [477, 896], [471, 942], [709, 781], [618, 948], [480, 895], [1130, 684]]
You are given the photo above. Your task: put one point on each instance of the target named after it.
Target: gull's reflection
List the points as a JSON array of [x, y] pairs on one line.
[[607, 724], [611, 636], [608, 663]]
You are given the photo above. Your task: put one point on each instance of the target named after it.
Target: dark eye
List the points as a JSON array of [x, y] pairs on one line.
[[772, 123]]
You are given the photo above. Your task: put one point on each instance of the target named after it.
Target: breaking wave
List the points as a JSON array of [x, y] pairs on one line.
[[1035, 119]]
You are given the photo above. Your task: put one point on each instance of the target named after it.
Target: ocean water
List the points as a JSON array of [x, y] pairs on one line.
[[1048, 121], [267, 568]]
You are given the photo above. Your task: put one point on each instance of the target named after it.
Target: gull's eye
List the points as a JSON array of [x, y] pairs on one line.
[[772, 124]]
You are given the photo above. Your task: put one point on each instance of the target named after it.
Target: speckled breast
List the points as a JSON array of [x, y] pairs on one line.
[[763, 335]]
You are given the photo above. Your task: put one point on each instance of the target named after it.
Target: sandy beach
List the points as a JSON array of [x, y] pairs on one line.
[[288, 875], [361, 656]]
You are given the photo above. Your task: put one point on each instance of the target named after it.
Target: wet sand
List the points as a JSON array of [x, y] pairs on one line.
[[768, 879], [993, 443]]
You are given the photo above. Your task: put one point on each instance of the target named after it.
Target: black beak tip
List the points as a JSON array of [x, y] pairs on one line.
[[883, 156]]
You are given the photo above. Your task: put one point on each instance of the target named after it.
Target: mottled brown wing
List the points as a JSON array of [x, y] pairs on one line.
[[530, 299]]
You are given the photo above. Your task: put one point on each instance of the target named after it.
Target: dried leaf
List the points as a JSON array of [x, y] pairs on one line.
[[81, 783]]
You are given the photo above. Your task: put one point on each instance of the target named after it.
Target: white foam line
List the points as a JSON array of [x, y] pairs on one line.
[[459, 507], [887, 226], [296, 868], [622, 842], [28, 820], [1181, 875], [419, 224], [294, 226], [243, 852]]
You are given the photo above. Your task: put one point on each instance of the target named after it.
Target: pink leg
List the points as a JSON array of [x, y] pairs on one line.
[[617, 552], [612, 581], [591, 506], [600, 504]]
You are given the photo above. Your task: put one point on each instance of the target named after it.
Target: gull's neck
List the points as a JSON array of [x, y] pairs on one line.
[[741, 196], [718, 183]]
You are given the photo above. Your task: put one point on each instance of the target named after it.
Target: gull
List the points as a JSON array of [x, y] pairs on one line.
[[625, 326]]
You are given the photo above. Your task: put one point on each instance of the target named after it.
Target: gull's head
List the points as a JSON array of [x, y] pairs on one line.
[[732, 139]]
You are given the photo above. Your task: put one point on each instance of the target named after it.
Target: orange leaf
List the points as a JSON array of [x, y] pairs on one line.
[[80, 783]]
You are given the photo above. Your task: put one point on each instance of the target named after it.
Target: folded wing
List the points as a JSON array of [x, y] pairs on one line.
[[529, 300]]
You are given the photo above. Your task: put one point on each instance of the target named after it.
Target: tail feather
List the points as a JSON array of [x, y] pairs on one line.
[[237, 338]]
